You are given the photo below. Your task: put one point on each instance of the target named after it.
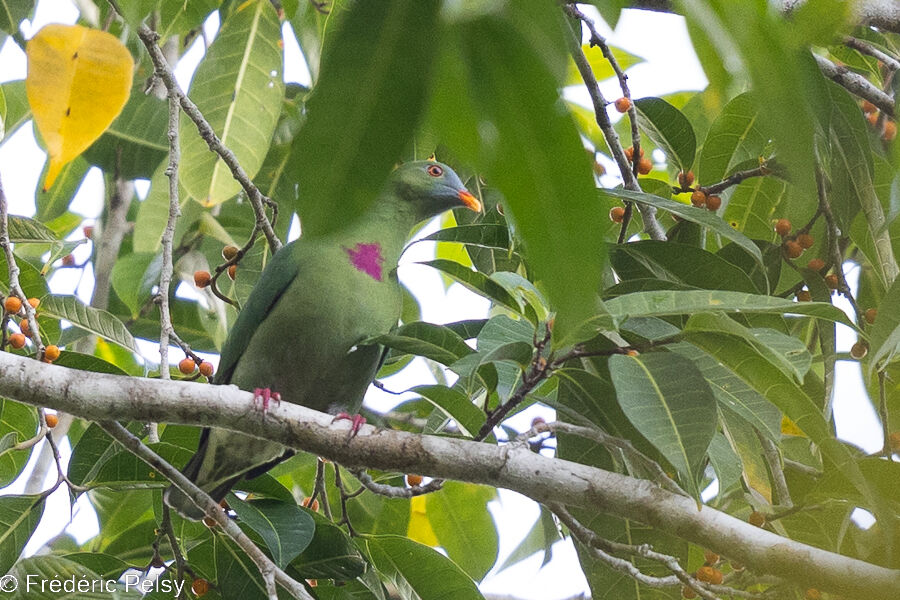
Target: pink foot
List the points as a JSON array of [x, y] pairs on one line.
[[356, 422], [262, 397]]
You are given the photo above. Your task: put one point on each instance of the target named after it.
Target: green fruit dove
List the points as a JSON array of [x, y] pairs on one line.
[[298, 337]]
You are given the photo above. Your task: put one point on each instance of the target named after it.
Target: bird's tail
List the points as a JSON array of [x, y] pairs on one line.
[[181, 502]]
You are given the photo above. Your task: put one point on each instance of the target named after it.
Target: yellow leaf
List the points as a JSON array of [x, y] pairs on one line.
[[788, 427], [419, 526], [78, 82]]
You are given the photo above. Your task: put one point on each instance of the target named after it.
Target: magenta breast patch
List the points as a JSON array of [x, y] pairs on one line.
[[368, 259]]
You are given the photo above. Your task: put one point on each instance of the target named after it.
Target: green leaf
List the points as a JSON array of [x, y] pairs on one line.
[[105, 565], [18, 422], [12, 12], [436, 342], [753, 205], [482, 235], [679, 263], [18, 111], [55, 202], [23, 230], [463, 525], [543, 535], [286, 528], [19, 516], [367, 102], [884, 335], [477, 282], [134, 276], [417, 571], [725, 462], [123, 467], [153, 212], [455, 405], [669, 129], [733, 138], [529, 148], [98, 322], [136, 143], [330, 555], [693, 214], [238, 87], [667, 399]]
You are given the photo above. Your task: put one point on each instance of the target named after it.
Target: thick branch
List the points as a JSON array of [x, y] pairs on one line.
[[548, 480], [856, 84]]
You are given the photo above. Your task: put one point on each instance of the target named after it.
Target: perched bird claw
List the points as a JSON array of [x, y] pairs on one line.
[[356, 422], [262, 397]]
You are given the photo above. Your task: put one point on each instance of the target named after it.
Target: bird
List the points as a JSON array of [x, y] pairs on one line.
[[300, 336]]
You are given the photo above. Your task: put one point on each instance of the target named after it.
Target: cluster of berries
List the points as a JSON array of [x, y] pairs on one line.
[[13, 307]]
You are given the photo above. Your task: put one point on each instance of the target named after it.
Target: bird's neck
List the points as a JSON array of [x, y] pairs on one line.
[[373, 245]]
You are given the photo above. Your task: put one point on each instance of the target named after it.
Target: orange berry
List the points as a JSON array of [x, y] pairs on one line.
[[632, 352], [688, 592], [685, 180], [782, 227], [623, 104], [629, 153], [413, 480], [832, 281], [88, 231], [870, 315], [51, 352], [206, 369], [713, 203], [229, 252], [34, 302], [12, 305], [17, 340], [187, 365], [538, 422], [202, 278], [68, 260], [872, 118], [806, 241], [710, 557], [209, 522], [24, 327], [200, 587], [859, 350], [52, 420], [868, 107], [599, 169], [617, 214], [312, 583], [804, 296], [644, 166], [816, 264], [698, 198], [704, 573], [313, 507], [890, 131], [232, 271], [813, 594], [757, 519], [894, 441], [792, 249]]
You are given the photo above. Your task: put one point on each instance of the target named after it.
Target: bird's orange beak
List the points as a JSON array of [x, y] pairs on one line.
[[470, 201]]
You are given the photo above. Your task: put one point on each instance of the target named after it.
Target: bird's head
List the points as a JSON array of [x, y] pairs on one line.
[[432, 188]]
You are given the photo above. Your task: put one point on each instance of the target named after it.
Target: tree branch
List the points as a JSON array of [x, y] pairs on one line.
[[548, 480], [856, 84]]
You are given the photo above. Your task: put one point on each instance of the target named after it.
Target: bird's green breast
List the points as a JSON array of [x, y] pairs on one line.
[[307, 348]]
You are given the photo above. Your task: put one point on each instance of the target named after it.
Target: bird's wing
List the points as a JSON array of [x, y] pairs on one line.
[[272, 284]]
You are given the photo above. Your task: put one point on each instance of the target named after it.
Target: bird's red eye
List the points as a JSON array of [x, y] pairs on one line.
[[434, 170]]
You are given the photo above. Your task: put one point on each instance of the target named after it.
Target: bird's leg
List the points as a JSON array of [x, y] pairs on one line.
[[356, 422], [262, 397]]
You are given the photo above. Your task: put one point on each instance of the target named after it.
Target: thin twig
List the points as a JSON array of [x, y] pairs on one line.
[[257, 199], [889, 61], [736, 178], [611, 443], [856, 84], [886, 450], [269, 571], [773, 460], [14, 288], [392, 491], [648, 213]]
